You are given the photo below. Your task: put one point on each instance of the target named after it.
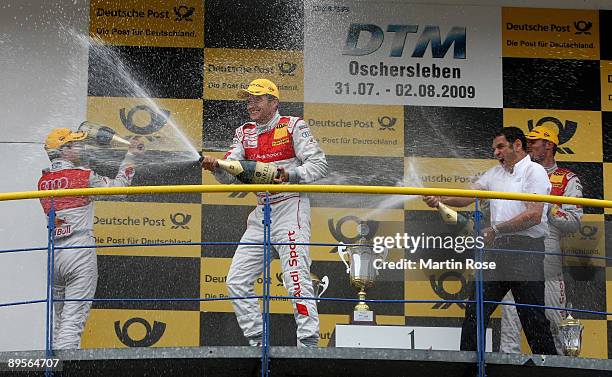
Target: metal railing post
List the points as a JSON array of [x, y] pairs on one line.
[[481, 334], [50, 278], [265, 348]]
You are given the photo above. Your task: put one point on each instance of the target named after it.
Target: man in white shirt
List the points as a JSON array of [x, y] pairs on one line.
[[515, 225]]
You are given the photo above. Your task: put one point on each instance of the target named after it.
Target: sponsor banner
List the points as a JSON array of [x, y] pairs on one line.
[[441, 173], [589, 241], [228, 70], [108, 328], [606, 85], [339, 225], [594, 342], [437, 55], [353, 130], [213, 285], [224, 198], [148, 23], [579, 131], [437, 285], [328, 322], [147, 223], [607, 177], [553, 34], [163, 124]]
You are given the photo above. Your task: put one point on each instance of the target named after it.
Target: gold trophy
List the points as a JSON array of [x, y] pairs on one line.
[[459, 223], [102, 135], [362, 273], [570, 335], [250, 171]]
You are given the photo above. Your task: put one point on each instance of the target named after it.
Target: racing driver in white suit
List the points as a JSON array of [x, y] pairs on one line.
[[75, 270], [287, 142]]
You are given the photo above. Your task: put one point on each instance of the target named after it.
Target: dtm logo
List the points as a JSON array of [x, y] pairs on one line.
[[337, 230], [54, 184], [387, 123], [157, 119], [566, 131], [583, 27], [152, 336], [372, 37], [180, 220], [287, 69], [440, 290], [183, 13]]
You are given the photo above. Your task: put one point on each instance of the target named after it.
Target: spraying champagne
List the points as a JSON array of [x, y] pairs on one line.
[[248, 171], [103, 135], [459, 223]]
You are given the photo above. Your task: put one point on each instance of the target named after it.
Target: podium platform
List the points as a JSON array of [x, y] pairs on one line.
[[324, 362]]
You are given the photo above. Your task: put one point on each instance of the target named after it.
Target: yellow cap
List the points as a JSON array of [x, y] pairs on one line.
[[259, 87], [61, 136], [544, 133]]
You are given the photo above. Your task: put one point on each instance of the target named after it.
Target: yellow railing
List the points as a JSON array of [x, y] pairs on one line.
[[337, 189]]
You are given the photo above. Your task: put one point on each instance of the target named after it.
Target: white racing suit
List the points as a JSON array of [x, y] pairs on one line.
[[561, 220], [287, 142], [75, 270]]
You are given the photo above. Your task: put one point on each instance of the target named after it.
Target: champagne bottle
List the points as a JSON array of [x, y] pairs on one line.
[[250, 171], [457, 222], [103, 135]]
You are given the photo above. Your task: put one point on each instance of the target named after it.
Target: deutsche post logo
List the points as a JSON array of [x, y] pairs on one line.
[[583, 27], [183, 13], [387, 123], [180, 220], [566, 131], [287, 69], [158, 119], [438, 287], [152, 336], [588, 232], [337, 233]]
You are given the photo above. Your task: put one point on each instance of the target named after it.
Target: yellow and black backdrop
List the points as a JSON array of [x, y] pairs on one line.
[[399, 94]]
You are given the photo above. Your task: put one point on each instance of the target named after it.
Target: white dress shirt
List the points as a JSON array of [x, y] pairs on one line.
[[526, 177]]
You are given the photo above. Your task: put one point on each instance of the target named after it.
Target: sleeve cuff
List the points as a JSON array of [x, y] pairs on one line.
[[293, 176]]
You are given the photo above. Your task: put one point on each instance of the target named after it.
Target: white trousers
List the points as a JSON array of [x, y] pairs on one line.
[[290, 224]]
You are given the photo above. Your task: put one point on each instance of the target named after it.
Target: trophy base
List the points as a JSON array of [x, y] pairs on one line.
[[365, 317]]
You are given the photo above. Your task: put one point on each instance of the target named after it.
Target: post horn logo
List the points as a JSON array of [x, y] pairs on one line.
[[336, 230], [158, 120], [387, 123], [438, 288], [180, 220], [152, 336], [183, 13], [287, 69], [588, 232], [583, 27], [566, 131]]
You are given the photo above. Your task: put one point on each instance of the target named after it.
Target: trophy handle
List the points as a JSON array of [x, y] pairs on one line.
[[385, 254], [325, 285], [342, 253]]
